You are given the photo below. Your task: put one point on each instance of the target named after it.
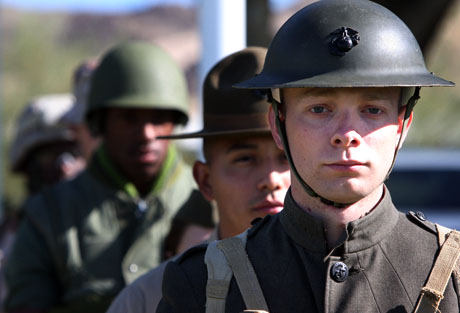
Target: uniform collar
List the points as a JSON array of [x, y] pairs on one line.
[[106, 169], [361, 234]]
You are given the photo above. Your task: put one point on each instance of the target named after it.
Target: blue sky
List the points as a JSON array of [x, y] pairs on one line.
[[110, 6]]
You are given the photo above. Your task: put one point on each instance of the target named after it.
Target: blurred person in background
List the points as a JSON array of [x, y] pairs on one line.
[[83, 240], [76, 117], [244, 174], [44, 150]]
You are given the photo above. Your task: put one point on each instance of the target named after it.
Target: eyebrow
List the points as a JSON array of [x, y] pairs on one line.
[[241, 146], [369, 94]]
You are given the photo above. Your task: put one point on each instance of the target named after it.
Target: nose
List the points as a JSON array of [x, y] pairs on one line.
[[271, 181], [149, 131], [346, 134]]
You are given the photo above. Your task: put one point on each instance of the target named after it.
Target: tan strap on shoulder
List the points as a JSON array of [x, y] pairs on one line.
[[224, 259], [442, 233], [235, 251], [219, 276], [446, 262]]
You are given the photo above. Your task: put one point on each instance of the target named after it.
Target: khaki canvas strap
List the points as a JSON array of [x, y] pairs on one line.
[[446, 262], [224, 259], [442, 233], [219, 276], [245, 276]]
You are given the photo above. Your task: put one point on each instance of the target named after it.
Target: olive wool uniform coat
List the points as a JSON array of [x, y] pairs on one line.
[[388, 254], [83, 240]]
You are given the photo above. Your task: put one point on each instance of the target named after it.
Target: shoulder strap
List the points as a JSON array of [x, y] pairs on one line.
[[224, 258], [219, 276], [446, 263]]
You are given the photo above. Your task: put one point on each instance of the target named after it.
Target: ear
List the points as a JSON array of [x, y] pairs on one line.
[[201, 175], [274, 129], [406, 128]]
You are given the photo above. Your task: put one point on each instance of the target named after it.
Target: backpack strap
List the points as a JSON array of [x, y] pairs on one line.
[[219, 276], [446, 263], [224, 259]]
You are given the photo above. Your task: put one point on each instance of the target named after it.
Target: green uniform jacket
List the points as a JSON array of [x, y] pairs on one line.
[[389, 256], [83, 240]]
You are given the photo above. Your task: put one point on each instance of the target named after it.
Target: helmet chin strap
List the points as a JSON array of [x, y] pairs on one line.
[[280, 124], [409, 107]]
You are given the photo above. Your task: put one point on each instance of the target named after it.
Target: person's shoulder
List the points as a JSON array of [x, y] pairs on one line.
[[419, 220], [192, 256], [55, 201], [184, 282], [261, 227], [142, 295], [415, 234]]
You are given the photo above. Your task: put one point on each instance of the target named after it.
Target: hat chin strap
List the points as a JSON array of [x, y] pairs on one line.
[[283, 135]]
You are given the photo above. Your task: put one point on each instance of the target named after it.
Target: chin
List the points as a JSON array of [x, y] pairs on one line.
[[346, 193], [352, 194]]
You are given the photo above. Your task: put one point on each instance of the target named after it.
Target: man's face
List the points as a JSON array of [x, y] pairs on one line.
[[130, 140], [342, 140], [247, 177]]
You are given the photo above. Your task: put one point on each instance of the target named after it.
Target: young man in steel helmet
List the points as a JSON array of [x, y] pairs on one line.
[[245, 174], [82, 241], [340, 72]]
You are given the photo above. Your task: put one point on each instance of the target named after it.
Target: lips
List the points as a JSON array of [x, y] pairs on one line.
[[346, 165], [145, 154], [268, 207]]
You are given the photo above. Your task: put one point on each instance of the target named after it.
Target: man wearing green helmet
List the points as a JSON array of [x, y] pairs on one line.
[[82, 241], [344, 76]]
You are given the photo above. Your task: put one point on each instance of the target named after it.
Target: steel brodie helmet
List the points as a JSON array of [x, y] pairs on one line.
[[138, 75], [343, 43]]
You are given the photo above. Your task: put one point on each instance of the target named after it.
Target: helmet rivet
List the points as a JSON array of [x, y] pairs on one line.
[[343, 40]]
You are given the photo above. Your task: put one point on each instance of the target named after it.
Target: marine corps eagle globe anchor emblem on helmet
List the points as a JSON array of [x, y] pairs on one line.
[[343, 40]]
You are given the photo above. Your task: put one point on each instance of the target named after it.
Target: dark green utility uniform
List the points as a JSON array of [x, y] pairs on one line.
[[82, 241], [389, 256]]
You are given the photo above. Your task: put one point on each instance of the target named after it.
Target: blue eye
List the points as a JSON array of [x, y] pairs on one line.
[[318, 109], [374, 110]]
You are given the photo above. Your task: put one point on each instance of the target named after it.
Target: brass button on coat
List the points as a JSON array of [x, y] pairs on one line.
[[339, 272]]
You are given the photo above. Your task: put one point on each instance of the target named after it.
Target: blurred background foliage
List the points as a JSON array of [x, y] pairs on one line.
[[437, 114], [39, 52]]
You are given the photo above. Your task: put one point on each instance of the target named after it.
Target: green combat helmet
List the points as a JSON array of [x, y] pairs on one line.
[[228, 111], [137, 75], [343, 43]]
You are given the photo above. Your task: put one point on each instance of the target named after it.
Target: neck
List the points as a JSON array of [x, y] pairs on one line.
[[143, 187], [334, 219], [226, 231]]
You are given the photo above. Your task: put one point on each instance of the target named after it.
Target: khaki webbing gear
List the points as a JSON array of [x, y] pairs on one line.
[[224, 259], [446, 263]]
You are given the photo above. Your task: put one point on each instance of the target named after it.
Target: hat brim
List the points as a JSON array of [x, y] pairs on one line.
[[342, 79], [206, 134]]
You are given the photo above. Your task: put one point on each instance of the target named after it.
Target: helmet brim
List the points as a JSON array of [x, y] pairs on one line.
[[343, 80], [209, 134]]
